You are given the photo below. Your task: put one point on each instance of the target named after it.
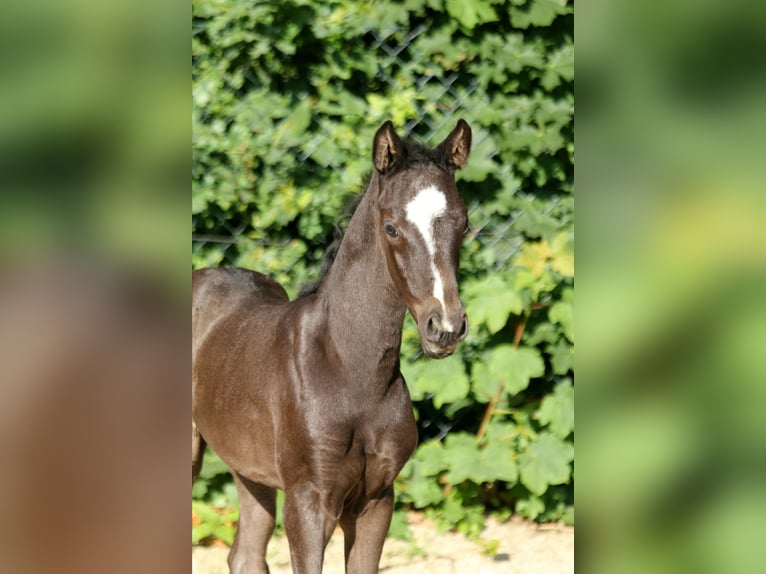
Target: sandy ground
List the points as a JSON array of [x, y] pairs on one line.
[[519, 548]]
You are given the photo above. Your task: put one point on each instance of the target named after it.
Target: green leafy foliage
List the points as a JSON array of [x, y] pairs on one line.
[[545, 462], [469, 13], [443, 381], [287, 97], [211, 523], [214, 504], [490, 303], [557, 410], [512, 367]]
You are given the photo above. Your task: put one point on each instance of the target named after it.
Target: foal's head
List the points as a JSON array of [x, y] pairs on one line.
[[420, 220]]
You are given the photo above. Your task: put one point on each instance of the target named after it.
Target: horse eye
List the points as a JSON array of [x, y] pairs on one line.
[[389, 228]]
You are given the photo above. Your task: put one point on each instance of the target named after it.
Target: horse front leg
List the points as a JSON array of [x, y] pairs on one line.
[[198, 451], [365, 533], [257, 510], [308, 527]]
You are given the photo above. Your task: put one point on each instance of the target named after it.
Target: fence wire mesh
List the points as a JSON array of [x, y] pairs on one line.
[[397, 55]]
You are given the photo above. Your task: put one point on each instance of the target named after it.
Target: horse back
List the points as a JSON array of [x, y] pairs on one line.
[[225, 283], [217, 292]]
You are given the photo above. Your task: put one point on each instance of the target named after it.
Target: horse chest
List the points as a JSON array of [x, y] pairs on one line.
[[365, 469], [384, 459], [357, 455], [385, 443]]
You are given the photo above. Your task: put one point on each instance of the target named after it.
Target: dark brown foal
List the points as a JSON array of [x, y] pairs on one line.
[[307, 396]]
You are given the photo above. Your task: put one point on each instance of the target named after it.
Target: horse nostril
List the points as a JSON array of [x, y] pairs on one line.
[[463, 329], [433, 328]]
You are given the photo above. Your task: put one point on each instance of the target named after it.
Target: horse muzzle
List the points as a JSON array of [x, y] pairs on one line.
[[440, 334]]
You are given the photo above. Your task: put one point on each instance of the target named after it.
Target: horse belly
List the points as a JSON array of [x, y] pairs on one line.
[[235, 395]]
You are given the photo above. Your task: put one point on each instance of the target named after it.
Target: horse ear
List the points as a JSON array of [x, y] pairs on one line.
[[386, 147], [457, 145]]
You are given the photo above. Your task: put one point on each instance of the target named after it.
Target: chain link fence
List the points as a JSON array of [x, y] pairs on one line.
[[398, 53]]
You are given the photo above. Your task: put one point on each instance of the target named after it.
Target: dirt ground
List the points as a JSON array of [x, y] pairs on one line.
[[519, 548]]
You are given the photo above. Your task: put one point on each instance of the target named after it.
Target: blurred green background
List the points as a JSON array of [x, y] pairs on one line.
[[94, 286], [93, 126], [671, 306]]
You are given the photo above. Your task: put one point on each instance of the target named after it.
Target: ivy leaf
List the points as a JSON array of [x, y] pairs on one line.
[[478, 168], [530, 507], [430, 455], [562, 356], [534, 256], [460, 456], [207, 521], [557, 409], [201, 531], [399, 106], [562, 248], [490, 302], [543, 332], [400, 528], [466, 460], [546, 462], [458, 513], [411, 373], [445, 379], [199, 489], [501, 432], [514, 367], [225, 532], [537, 12], [290, 131], [471, 12], [419, 489], [482, 382], [560, 66], [562, 312], [212, 465], [497, 463], [517, 54], [440, 42]]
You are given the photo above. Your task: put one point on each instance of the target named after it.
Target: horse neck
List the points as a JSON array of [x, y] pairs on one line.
[[365, 311]]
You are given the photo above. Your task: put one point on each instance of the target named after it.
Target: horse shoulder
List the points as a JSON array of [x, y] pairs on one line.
[[390, 438]]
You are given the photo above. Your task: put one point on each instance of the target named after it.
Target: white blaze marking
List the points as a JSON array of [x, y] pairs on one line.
[[422, 211], [424, 208]]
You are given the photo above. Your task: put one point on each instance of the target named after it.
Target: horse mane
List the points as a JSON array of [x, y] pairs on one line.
[[327, 260], [332, 250], [414, 153]]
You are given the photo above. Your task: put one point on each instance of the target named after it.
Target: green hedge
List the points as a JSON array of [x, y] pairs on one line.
[[287, 96]]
